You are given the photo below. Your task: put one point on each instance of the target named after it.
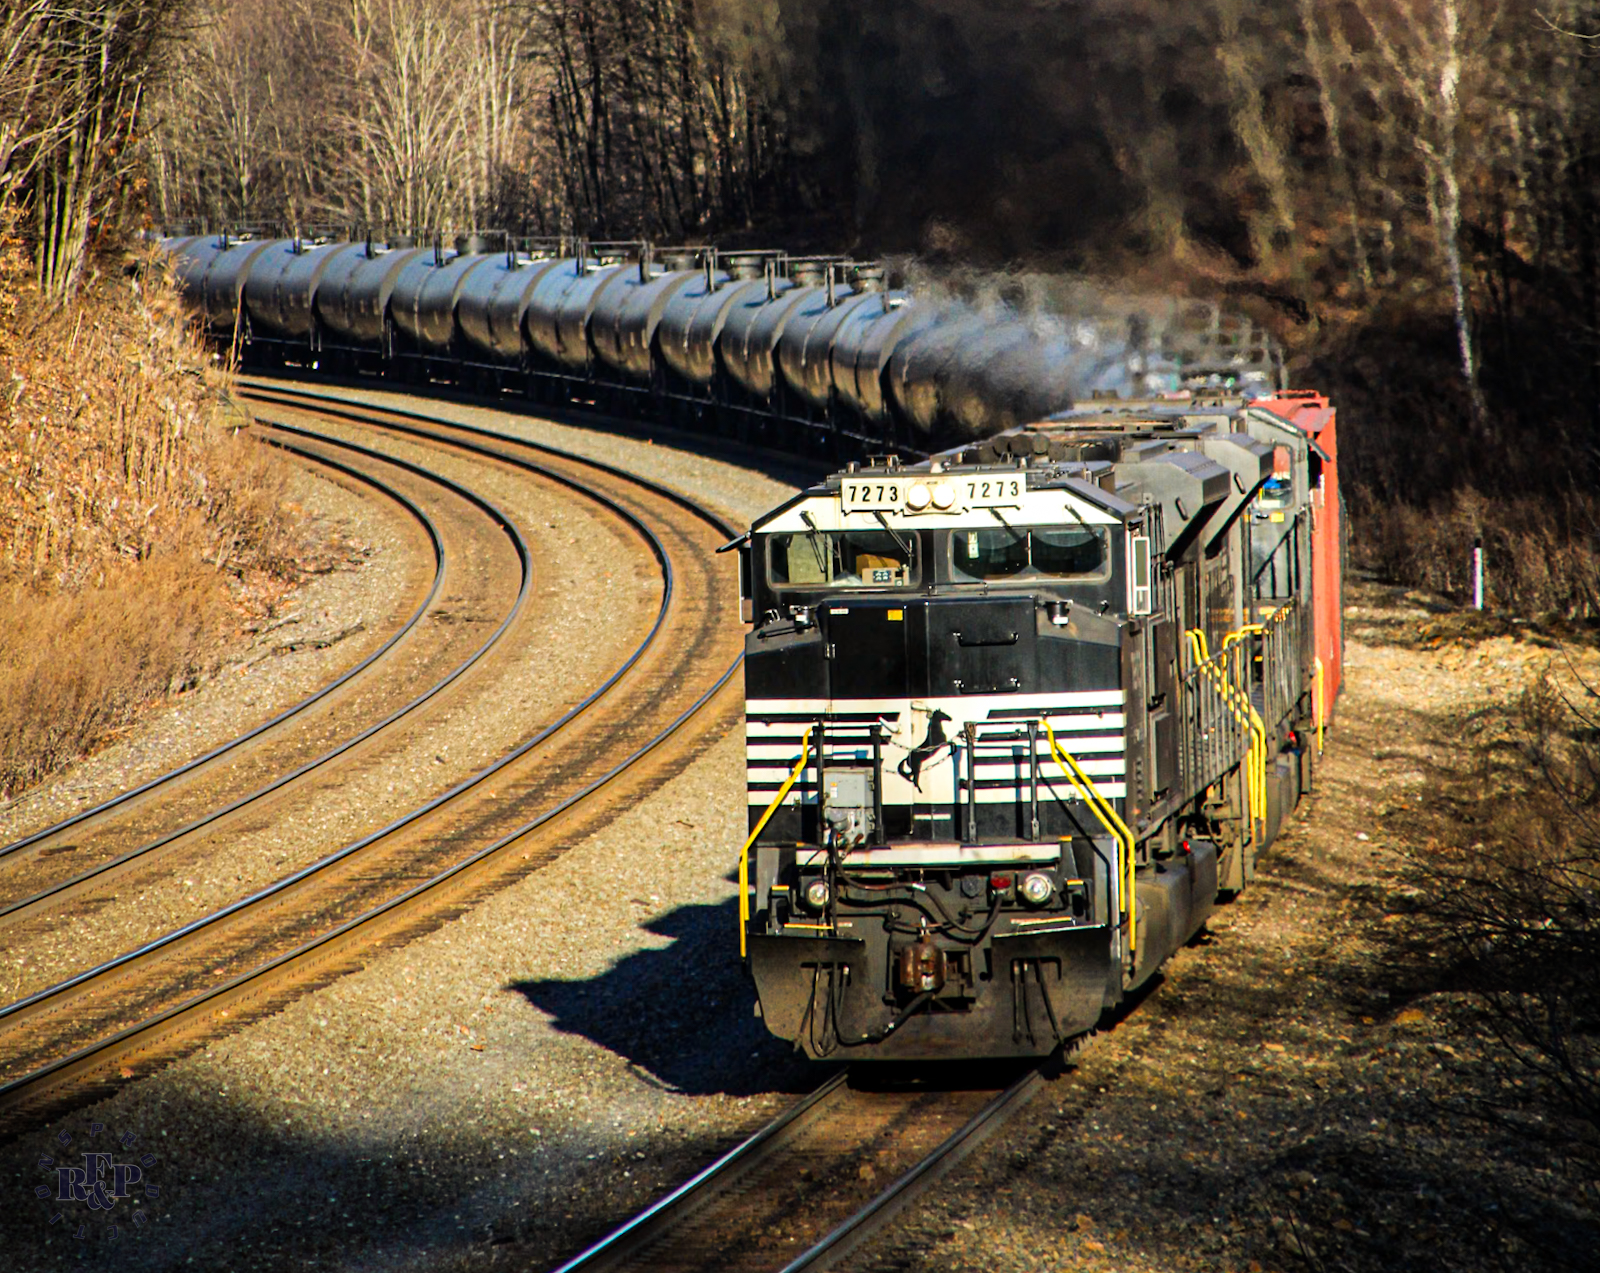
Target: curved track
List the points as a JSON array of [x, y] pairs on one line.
[[157, 1000], [806, 1191], [141, 855], [203, 767]]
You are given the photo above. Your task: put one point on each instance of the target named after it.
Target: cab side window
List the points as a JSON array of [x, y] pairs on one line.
[[841, 559]]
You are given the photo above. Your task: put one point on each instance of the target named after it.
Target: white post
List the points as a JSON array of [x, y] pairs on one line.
[[1477, 573]]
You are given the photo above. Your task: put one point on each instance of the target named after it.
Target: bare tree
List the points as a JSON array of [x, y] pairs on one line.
[[1425, 48], [73, 81], [23, 80]]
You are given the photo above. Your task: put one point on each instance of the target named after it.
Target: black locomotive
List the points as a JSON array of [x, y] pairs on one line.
[[1019, 713]]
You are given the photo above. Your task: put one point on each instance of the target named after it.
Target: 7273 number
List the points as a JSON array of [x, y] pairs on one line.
[[871, 495]]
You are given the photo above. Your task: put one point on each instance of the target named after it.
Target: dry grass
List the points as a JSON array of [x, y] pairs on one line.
[[135, 520], [75, 666], [1540, 553]]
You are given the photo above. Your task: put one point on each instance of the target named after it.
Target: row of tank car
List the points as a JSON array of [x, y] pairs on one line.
[[749, 344]]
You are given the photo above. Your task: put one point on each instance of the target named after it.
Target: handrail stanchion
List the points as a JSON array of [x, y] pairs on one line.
[[744, 853], [1109, 819]]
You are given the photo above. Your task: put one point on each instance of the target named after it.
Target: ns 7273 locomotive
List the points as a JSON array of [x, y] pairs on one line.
[[1019, 714]]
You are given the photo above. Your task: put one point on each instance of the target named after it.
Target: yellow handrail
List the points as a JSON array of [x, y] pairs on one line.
[[1114, 825], [1257, 727], [1316, 701], [1245, 713], [744, 853]]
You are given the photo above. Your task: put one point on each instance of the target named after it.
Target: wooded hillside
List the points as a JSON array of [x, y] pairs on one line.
[[1406, 191]]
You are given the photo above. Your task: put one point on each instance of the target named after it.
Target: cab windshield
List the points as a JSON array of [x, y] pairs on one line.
[[1028, 552], [840, 559]]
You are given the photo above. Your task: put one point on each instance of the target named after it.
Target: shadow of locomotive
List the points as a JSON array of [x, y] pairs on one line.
[[681, 1014]]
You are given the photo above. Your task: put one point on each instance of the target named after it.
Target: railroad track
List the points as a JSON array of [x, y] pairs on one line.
[[811, 1187], [203, 769], [150, 1003], [278, 762]]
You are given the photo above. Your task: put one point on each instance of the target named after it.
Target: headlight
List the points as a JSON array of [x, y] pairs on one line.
[[817, 894], [918, 497], [1036, 889], [943, 497]]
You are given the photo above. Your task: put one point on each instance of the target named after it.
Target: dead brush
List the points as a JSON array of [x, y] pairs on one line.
[[1542, 554], [1519, 910], [75, 667], [131, 512]]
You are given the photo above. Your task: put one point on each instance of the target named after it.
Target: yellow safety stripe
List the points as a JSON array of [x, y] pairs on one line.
[[1118, 829], [744, 853]]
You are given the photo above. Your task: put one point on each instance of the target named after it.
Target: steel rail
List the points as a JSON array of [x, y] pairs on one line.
[[77, 883], [877, 1214], [327, 946], [626, 1241], [360, 413], [216, 753], [145, 1035], [43, 1000], [629, 1245]]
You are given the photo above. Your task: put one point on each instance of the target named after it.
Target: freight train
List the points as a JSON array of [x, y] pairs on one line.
[[1020, 710]]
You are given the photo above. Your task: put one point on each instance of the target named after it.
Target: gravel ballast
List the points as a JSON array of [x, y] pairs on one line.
[[568, 1049], [557, 652]]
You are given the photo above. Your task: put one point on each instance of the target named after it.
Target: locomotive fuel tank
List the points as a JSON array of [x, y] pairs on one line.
[[494, 300]]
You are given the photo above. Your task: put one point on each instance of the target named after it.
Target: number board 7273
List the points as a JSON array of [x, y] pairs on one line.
[[866, 494], [918, 493], [982, 491]]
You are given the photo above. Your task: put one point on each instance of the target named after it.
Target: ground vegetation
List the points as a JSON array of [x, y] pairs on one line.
[[134, 524], [137, 527]]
